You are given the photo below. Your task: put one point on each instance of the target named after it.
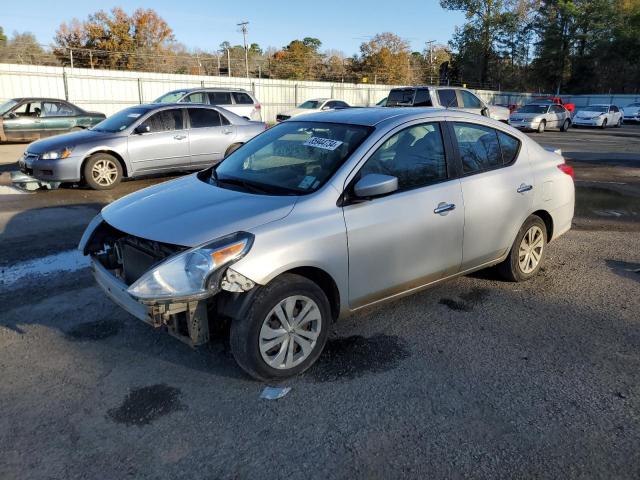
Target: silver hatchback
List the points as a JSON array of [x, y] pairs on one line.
[[141, 140], [317, 218]]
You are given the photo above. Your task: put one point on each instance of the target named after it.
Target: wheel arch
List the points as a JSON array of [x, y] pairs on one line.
[[326, 283], [548, 222], [113, 153]]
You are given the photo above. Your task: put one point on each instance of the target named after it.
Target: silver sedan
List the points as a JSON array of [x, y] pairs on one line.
[[540, 117], [141, 140], [323, 216]]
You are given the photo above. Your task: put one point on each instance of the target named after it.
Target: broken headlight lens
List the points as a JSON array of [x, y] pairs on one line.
[[187, 273]]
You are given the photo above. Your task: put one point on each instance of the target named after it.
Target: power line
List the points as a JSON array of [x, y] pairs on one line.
[[244, 30]]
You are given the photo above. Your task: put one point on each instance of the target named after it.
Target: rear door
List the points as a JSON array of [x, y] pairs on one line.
[[413, 236], [209, 136], [165, 147], [557, 115], [496, 186], [57, 117]]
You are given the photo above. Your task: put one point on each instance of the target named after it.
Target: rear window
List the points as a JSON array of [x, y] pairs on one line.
[[401, 97], [242, 98], [422, 98], [220, 98], [448, 98], [203, 117]]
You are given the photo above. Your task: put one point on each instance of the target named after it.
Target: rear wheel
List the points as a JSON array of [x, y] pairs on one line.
[[527, 252], [541, 126], [565, 125], [102, 171], [619, 124], [77, 129], [284, 329], [232, 148]]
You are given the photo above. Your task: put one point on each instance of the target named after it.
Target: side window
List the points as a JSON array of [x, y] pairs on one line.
[[56, 109], [422, 98], [470, 100], [197, 97], [329, 105], [28, 110], [557, 109], [224, 120], [204, 117], [242, 98], [414, 155], [479, 147], [614, 109], [220, 98], [510, 147], [165, 121], [448, 98], [341, 105]]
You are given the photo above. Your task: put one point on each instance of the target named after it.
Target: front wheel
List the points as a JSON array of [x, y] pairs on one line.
[[232, 148], [284, 329], [541, 126], [604, 124], [102, 171], [565, 125], [527, 252]]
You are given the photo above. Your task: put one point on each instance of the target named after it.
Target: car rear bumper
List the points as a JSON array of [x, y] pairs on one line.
[[65, 170]]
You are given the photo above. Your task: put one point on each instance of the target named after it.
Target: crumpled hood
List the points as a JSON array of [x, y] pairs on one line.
[[294, 112], [68, 140], [190, 212]]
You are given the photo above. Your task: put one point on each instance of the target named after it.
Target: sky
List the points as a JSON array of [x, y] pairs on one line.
[[340, 24]]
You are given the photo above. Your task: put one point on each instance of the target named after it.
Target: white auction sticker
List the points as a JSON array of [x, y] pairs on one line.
[[324, 143], [134, 115]]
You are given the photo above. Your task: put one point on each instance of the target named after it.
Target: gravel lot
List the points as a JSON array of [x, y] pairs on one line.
[[474, 378]]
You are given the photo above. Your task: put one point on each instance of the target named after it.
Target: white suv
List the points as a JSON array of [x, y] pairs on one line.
[[237, 100]]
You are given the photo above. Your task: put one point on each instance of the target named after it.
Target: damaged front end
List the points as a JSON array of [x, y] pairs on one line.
[[165, 285]]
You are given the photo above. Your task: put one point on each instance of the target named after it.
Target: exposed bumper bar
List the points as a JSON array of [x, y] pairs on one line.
[[117, 291]]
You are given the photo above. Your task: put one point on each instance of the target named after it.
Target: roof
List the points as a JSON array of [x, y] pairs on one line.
[[208, 89], [371, 116]]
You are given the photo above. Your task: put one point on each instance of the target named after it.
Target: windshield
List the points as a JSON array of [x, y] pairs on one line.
[[310, 104], [121, 120], [6, 106], [290, 158], [596, 108], [171, 97], [400, 97], [533, 109]]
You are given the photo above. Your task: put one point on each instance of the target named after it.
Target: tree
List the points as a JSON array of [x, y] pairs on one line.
[[299, 60], [24, 48], [3, 38], [385, 59]]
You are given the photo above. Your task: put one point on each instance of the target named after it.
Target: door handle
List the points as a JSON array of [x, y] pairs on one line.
[[226, 131], [444, 207], [179, 137], [524, 188]]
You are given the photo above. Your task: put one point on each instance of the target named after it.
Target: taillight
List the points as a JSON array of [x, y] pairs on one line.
[[568, 169], [258, 106]]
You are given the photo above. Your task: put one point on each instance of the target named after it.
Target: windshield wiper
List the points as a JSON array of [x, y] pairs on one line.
[[252, 186]]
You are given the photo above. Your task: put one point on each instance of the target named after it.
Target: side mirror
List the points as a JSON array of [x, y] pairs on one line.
[[142, 128], [10, 115], [374, 185], [326, 108]]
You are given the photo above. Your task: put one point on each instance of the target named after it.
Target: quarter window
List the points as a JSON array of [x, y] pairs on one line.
[[448, 98], [220, 98], [242, 98], [470, 100], [204, 117], [414, 155], [510, 147], [165, 121], [479, 147]]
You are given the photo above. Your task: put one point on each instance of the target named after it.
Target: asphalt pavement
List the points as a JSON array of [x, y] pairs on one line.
[[474, 378]]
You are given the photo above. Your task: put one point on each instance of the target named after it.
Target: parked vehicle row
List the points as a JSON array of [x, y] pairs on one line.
[[540, 117], [238, 101], [312, 106], [137, 141], [310, 222]]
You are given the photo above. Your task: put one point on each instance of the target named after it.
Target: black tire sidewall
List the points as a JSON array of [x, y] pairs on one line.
[[514, 264], [245, 331], [88, 166], [542, 126], [232, 148]]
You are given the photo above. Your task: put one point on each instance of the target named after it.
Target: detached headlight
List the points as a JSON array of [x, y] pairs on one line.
[[57, 154], [187, 274]]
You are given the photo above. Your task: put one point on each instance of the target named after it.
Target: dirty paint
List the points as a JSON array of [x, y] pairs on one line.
[[144, 405], [351, 357]]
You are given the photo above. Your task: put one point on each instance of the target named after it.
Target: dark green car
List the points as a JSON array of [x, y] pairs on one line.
[[29, 119]]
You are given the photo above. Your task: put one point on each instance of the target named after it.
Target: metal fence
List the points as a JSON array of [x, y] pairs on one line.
[[108, 91]]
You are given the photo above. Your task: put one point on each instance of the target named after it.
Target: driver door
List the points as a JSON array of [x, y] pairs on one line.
[[410, 237], [23, 123]]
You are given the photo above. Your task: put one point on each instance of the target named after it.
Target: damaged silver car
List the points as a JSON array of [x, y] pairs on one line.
[[319, 217]]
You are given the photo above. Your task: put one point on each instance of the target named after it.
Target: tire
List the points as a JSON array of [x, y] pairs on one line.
[[517, 267], [102, 171], [565, 126], [604, 124], [232, 148], [619, 124], [541, 126], [77, 129], [253, 336]]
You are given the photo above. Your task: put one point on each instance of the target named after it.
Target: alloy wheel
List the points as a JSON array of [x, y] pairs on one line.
[[530, 251], [104, 172], [289, 332]]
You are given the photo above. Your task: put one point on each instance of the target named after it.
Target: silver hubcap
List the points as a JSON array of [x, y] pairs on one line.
[[104, 172], [530, 252], [290, 332]]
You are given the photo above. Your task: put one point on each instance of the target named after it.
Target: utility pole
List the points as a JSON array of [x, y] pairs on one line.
[[243, 29], [430, 45], [228, 63]]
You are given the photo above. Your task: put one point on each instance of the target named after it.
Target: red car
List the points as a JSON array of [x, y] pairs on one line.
[[569, 106]]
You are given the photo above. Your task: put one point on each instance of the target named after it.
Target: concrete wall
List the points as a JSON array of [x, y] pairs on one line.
[[111, 90]]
